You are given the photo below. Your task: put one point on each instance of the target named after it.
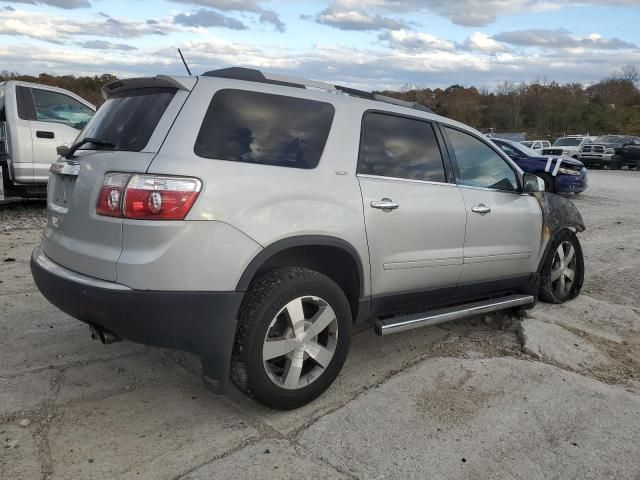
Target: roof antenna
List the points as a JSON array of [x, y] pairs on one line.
[[185, 63]]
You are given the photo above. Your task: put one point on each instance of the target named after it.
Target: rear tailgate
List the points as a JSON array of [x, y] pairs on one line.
[[136, 120]]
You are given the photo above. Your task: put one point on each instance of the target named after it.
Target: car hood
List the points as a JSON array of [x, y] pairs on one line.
[[565, 160]]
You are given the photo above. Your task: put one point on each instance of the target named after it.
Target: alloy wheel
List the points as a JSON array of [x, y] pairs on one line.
[[300, 342], [563, 269]]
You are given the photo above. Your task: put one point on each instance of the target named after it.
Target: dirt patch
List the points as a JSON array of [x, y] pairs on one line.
[[453, 402]]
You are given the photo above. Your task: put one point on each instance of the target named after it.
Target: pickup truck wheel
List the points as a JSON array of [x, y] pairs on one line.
[[294, 331], [616, 163], [549, 182], [563, 269]]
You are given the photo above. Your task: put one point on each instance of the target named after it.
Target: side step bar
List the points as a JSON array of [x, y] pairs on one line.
[[409, 322]]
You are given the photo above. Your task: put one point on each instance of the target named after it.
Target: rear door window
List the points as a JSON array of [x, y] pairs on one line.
[[400, 147], [60, 108], [128, 119], [262, 128]]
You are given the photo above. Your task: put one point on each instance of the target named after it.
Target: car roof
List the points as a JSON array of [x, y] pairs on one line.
[[335, 94]]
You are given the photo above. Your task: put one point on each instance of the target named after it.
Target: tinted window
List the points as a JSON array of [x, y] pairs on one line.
[[479, 165], [255, 127], [128, 119], [59, 108], [400, 147]]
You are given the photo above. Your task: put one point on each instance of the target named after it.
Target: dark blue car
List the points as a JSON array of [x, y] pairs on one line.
[[560, 174]]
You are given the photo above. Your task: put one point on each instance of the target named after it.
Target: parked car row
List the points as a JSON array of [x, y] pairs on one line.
[[34, 120], [612, 151], [568, 146], [560, 174]]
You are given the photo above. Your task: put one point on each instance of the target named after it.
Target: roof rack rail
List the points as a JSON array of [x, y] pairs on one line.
[[253, 75]]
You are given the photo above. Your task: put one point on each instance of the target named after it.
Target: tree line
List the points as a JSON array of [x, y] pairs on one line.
[[540, 109], [87, 87]]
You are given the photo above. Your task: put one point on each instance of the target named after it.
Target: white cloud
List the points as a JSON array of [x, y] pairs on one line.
[[561, 38], [479, 41], [346, 18], [413, 41], [57, 29], [470, 13]]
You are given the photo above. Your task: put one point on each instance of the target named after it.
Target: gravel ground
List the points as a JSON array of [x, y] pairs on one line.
[[459, 400]]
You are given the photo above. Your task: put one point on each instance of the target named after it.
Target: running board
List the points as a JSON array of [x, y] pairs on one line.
[[409, 322]]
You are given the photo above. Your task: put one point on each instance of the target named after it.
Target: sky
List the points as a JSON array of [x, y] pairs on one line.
[[370, 44]]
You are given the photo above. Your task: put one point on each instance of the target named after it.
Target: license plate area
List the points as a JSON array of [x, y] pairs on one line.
[[71, 169]]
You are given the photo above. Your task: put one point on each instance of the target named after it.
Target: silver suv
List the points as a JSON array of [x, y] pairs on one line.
[[254, 219]]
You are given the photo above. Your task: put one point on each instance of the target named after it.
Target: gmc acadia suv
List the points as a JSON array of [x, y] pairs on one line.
[[254, 219]]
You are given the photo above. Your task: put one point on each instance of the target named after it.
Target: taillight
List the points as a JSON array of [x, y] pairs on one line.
[[111, 194], [148, 197]]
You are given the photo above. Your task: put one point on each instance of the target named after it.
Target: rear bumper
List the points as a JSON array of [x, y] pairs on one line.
[[203, 323]]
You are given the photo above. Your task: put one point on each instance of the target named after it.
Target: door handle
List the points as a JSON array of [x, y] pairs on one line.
[[42, 134], [482, 209], [385, 204]]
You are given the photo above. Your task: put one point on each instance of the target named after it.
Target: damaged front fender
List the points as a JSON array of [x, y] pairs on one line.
[[558, 213]]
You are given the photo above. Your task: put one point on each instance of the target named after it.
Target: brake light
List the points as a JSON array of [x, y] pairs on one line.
[[148, 197], [111, 193]]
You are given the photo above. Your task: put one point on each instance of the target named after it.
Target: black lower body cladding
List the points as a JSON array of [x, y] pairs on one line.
[[203, 323]]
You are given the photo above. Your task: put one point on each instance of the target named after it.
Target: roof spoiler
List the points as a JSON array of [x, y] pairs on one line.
[[142, 82]]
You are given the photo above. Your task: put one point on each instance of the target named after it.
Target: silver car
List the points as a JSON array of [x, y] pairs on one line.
[[253, 219]]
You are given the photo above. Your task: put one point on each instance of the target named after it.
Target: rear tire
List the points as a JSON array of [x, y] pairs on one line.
[[562, 273], [294, 331], [616, 163]]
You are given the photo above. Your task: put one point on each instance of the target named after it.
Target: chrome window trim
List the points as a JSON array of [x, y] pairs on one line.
[[410, 180], [487, 189]]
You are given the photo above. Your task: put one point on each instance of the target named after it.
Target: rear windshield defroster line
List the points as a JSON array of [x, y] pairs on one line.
[[127, 119]]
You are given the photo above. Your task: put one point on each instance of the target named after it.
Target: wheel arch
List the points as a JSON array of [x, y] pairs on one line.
[[331, 256], [558, 214]]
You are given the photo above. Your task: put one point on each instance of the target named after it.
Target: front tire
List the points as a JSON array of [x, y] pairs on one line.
[[563, 270], [294, 331]]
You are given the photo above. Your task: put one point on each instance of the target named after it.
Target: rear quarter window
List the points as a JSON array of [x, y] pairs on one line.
[[263, 128]]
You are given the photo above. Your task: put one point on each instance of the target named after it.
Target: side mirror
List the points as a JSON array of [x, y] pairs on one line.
[[62, 150], [532, 183]]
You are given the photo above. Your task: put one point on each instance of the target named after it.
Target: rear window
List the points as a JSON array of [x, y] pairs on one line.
[[267, 129], [128, 119]]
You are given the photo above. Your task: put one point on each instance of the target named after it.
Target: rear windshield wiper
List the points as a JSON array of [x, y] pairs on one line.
[[96, 141]]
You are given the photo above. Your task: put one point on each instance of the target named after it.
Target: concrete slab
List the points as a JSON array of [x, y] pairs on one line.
[[26, 392], [372, 359], [159, 432], [615, 322], [117, 375], [552, 342], [495, 418], [18, 453], [35, 335], [272, 459]]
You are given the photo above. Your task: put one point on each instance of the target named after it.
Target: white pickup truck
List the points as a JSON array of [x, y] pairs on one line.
[[34, 120]]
